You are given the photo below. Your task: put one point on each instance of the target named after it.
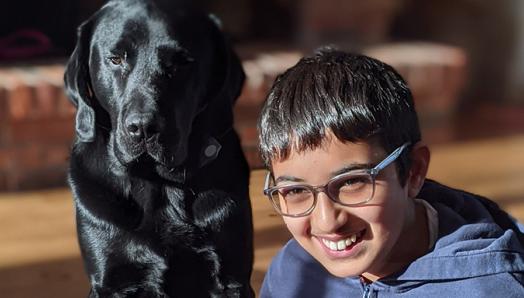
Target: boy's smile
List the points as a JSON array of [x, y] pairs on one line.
[[372, 240]]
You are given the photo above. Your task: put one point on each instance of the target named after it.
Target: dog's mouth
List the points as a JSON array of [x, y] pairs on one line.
[[150, 157], [147, 166]]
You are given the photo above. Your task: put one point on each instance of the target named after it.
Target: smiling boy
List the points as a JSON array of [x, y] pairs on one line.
[[347, 167]]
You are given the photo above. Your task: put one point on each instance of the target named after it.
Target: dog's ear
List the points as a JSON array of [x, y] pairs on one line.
[[77, 84], [233, 74]]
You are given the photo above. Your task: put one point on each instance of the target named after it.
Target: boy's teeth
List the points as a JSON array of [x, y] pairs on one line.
[[341, 244]]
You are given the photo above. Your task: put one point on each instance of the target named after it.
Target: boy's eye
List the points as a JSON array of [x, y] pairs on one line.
[[354, 183], [294, 192], [354, 180]]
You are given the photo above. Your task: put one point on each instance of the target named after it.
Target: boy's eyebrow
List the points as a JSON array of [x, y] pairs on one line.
[[350, 167], [288, 178]]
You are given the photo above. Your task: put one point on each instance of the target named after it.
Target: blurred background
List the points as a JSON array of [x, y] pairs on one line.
[[463, 59]]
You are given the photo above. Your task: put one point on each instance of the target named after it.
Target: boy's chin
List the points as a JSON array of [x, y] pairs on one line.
[[344, 269], [343, 264]]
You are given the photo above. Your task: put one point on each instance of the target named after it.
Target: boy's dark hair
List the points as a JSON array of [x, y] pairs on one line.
[[356, 97]]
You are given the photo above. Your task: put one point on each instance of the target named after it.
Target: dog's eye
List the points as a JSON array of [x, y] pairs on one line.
[[183, 60], [177, 63], [116, 60]]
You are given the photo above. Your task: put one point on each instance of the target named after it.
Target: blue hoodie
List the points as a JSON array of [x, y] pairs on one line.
[[479, 253]]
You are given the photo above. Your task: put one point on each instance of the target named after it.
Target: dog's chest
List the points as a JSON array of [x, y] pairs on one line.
[[165, 210]]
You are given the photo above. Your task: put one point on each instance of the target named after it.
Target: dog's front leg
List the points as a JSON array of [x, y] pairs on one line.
[[228, 225], [199, 237]]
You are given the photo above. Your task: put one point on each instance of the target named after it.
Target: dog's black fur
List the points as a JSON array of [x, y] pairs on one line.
[[159, 179]]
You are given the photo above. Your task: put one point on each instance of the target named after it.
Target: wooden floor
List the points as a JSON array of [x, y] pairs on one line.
[[39, 255]]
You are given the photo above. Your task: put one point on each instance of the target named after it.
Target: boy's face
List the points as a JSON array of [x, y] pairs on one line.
[[379, 225]]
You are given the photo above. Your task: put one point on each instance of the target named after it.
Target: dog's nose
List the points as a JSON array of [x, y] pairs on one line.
[[140, 125]]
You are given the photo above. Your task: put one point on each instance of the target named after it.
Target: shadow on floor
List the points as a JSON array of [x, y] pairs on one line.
[[59, 279], [56, 279]]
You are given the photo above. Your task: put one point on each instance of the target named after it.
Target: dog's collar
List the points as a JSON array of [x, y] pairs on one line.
[[209, 153]]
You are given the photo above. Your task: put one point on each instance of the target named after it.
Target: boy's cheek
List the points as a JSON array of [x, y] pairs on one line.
[[297, 226], [388, 209]]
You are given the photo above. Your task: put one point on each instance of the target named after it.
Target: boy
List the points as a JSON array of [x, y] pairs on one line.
[[340, 136]]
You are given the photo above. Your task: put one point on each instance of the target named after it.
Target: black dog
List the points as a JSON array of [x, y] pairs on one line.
[[158, 175]]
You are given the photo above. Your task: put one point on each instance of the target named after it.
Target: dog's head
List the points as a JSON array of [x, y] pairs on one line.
[[141, 74]]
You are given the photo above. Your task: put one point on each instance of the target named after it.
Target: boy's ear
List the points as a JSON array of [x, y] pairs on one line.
[[420, 157]]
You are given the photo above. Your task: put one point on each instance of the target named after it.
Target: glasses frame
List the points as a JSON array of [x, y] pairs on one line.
[[373, 172]]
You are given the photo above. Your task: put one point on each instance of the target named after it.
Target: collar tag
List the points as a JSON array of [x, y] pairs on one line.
[[209, 152]]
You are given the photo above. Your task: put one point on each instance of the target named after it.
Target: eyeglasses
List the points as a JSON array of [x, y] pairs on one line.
[[353, 188]]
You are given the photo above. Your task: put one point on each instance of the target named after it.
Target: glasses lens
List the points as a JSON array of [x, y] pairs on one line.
[[352, 188], [292, 200]]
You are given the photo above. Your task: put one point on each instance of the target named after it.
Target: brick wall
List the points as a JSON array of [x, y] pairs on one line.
[[350, 22], [37, 124], [35, 127], [436, 75], [37, 120], [261, 71]]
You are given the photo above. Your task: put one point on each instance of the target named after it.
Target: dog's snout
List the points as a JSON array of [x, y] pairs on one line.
[[140, 125]]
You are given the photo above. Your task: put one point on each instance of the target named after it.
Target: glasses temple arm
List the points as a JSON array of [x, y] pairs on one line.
[[391, 158], [266, 182]]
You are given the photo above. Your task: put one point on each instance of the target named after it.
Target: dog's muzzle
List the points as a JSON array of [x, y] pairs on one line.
[[139, 134], [140, 126]]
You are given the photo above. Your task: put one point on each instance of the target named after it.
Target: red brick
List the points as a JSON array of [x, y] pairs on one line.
[[44, 177], [3, 179], [45, 131], [53, 74], [3, 104], [58, 155], [65, 108], [253, 158], [50, 177], [419, 63], [45, 97], [20, 100], [249, 136], [4, 158], [364, 21], [4, 117], [18, 95], [35, 157], [261, 72], [36, 166], [5, 167]]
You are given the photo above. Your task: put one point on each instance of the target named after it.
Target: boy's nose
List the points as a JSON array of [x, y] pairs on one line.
[[327, 215]]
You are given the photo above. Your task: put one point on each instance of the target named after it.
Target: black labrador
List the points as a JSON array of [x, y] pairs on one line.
[[159, 179]]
